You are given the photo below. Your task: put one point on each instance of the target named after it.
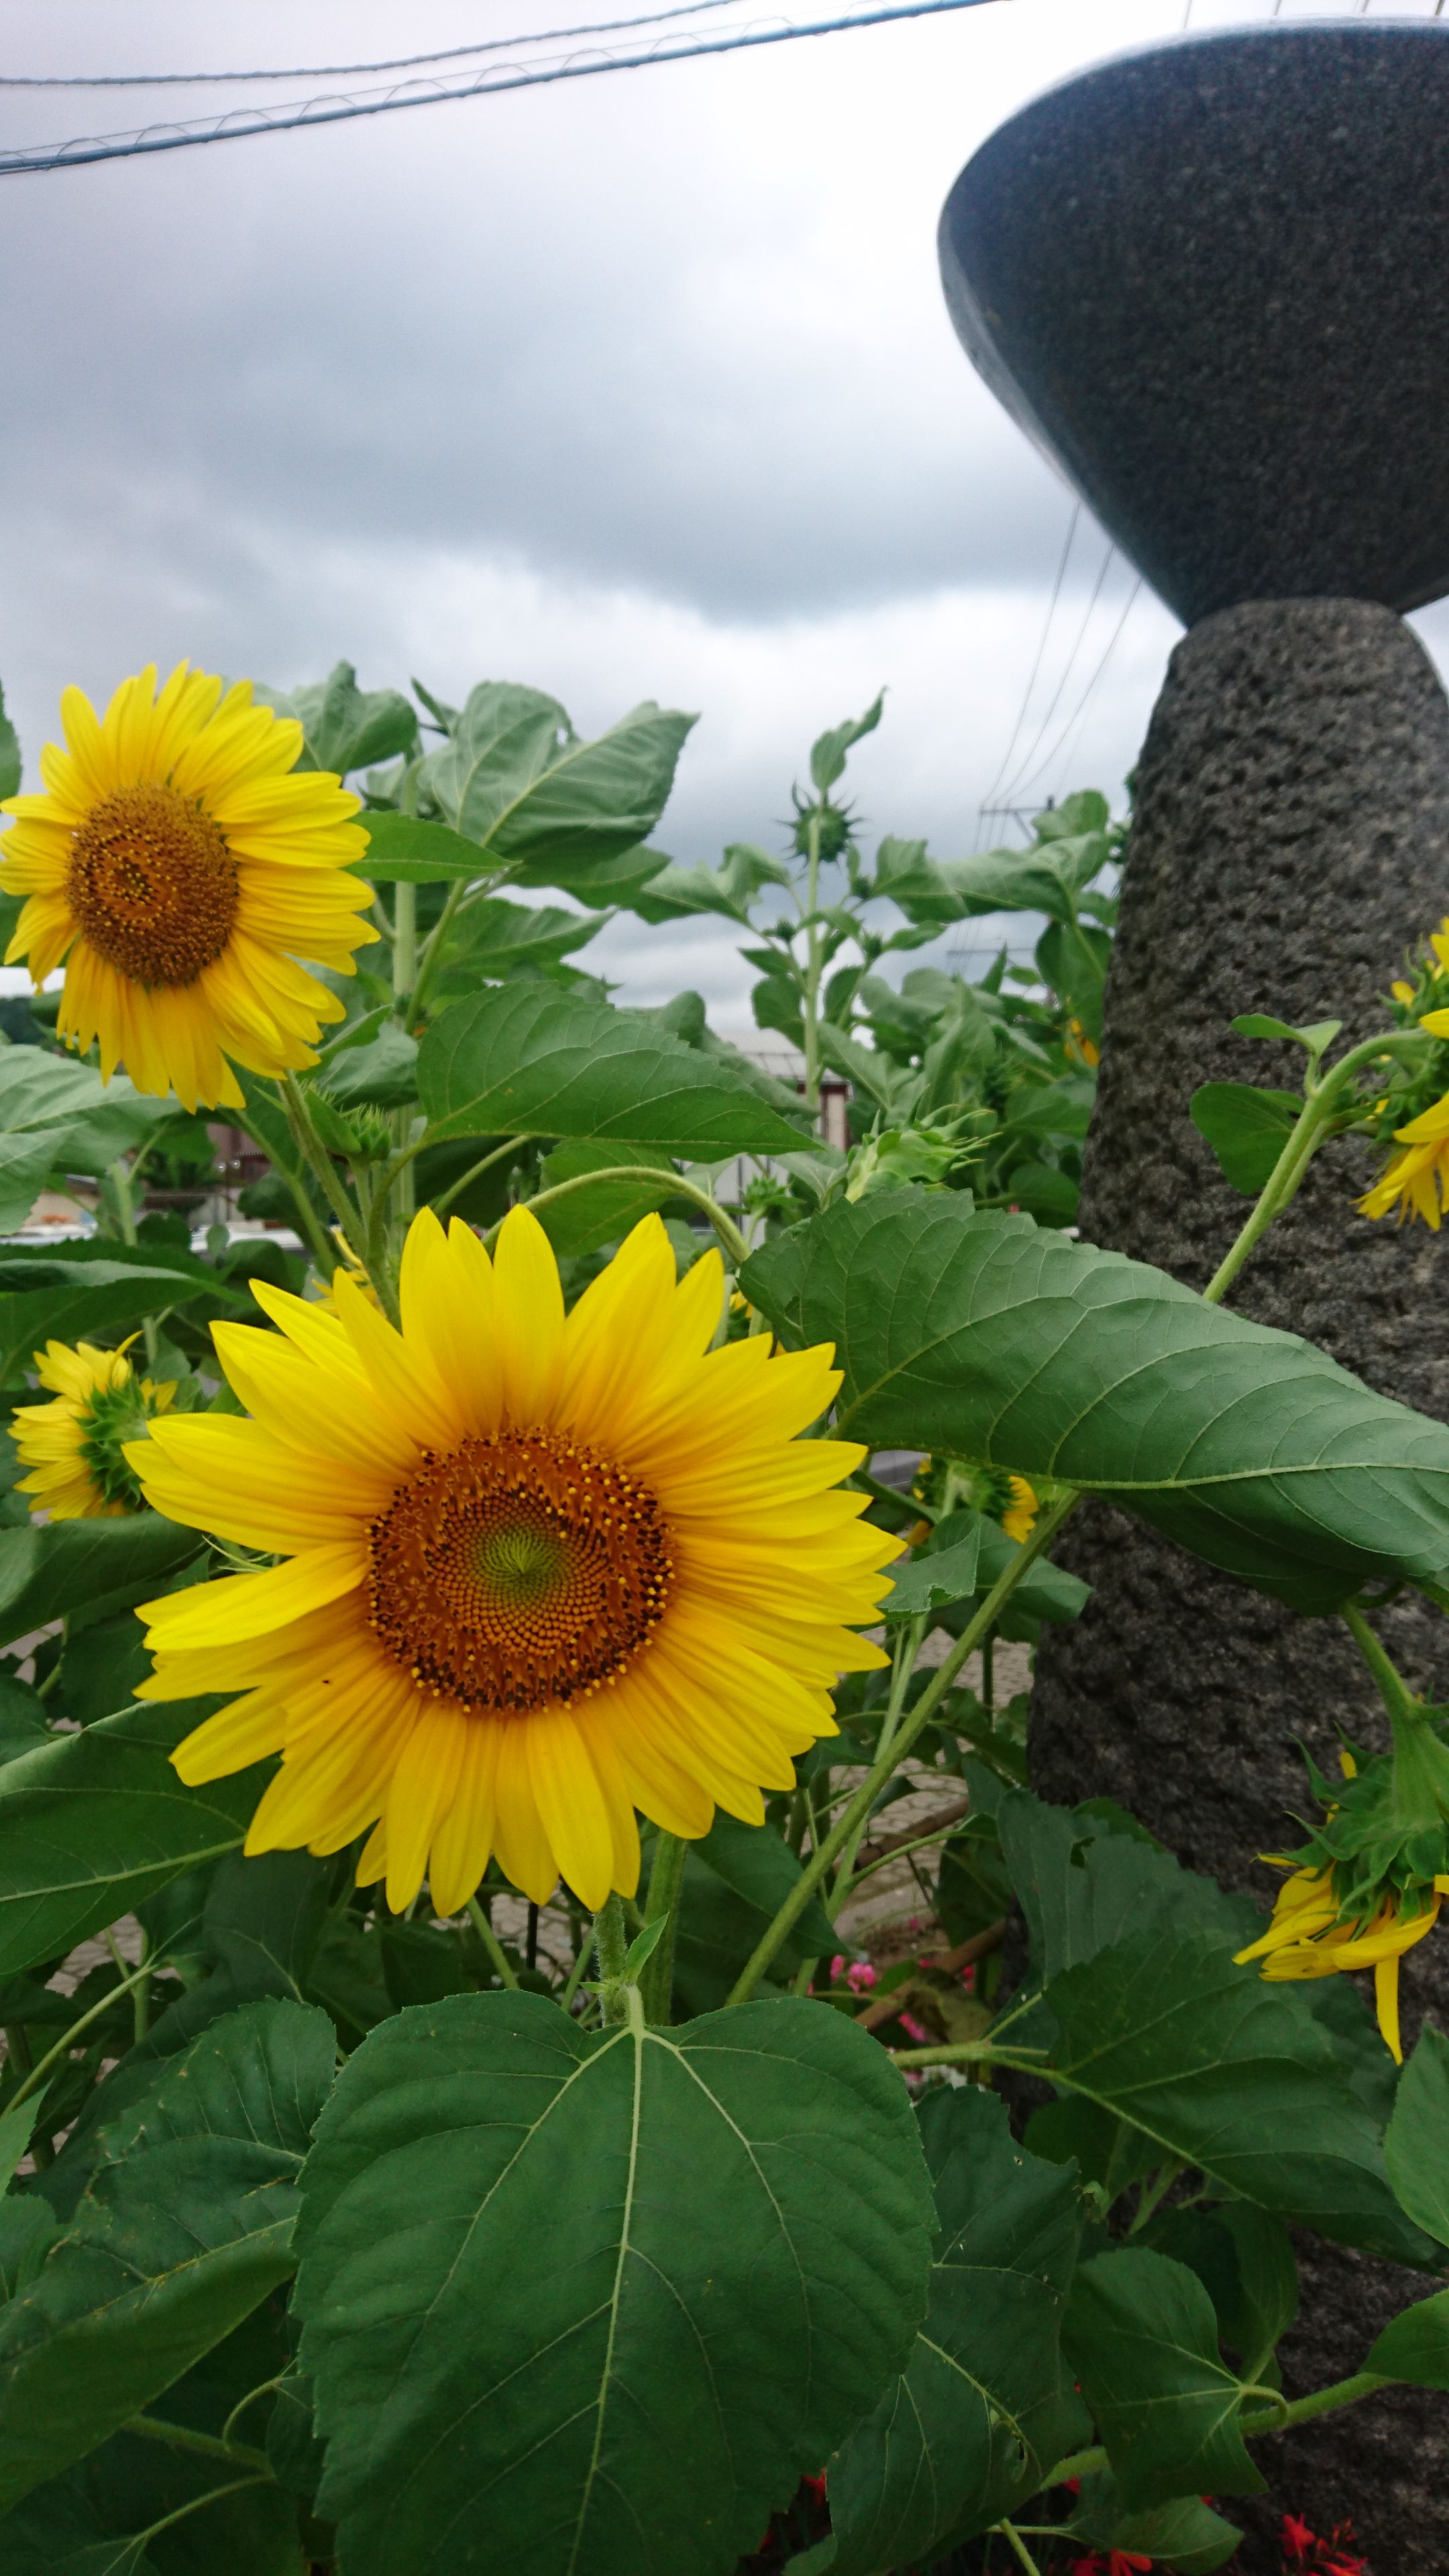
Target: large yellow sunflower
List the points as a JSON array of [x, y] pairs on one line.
[[181, 872], [542, 1570]]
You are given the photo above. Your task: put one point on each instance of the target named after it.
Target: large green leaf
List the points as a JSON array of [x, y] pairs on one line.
[[1416, 2147], [981, 1336], [1225, 2071], [91, 1824], [578, 2300], [186, 2226], [56, 1566], [516, 780], [403, 850], [497, 939], [344, 727], [984, 2407], [1142, 2336], [69, 1291], [524, 1060]]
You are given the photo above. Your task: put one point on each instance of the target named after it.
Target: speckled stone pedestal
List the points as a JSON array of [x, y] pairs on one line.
[[1291, 843]]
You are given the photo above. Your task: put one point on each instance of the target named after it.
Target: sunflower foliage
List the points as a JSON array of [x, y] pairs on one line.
[[510, 1805]]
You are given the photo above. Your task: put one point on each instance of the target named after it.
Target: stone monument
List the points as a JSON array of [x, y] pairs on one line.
[[1210, 279]]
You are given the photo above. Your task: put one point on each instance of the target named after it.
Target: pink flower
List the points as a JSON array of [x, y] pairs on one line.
[[860, 1976], [915, 2030]]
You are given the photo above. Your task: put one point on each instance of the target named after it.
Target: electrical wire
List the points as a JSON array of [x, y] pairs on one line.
[[346, 71], [1019, 778], [241, 124], [1090, 691], [989, 798]]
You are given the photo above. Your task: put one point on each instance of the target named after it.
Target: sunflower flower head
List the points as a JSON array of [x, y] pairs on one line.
[[76, 1444], [1371, 1880], [1416, 1180], [180, 866], [540, 1570]]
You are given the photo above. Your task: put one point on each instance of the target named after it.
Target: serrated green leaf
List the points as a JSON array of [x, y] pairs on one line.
[[55, 1566], [93, 1823], [1416, 2147], [344, 727], [401, 850], [524, 1060], [1244, 2259], [933, 1582], [380, 1074], [1141, 2334], [541, 2269], [984, 1337], [70, 1291], [1246, 1128], [1227, 2072], [515, 780], [984, 2407], [186, 2226]]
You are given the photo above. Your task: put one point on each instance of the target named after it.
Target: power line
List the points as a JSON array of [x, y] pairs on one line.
[[1091, 689], [241, 124], [339, 71], [1019, 778], [1006, 758]]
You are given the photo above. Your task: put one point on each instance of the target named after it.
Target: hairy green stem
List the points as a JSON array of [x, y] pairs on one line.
[[1398, 1699], [119, 1177], [67, 2040], [666, 1881], [920, 1716], [319, 1162], [576, 1973], [491, 1942], [1320, 1108], [474, 1172], [1009, 2532], [672, 1185], [207, 2446], [264, 2388], [907, 1648], [612, 1943], [811, 1013]]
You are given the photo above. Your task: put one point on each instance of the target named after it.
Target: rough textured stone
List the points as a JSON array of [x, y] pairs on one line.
[[1291, 844], [1209, 279]]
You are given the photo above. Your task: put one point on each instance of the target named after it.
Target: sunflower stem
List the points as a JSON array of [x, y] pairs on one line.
[[491, 1942], [677, 1187], [666, 1879], [475, 1171], [1319, 1110], [319, 1162], [907, 1648], [612, 1943], [30, 2083], [880, 1771], [207, 2446], [120, 1180]]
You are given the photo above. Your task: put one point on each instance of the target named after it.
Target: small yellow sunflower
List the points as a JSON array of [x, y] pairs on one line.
[[542, 1570], [76, 1444], [181, 872], [1416, 1182], [1309, 1937]]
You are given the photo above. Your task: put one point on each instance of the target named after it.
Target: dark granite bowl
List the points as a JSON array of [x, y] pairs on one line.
[[1211, 279]]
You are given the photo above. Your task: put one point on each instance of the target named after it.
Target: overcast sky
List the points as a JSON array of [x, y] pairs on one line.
[[631, 387]]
